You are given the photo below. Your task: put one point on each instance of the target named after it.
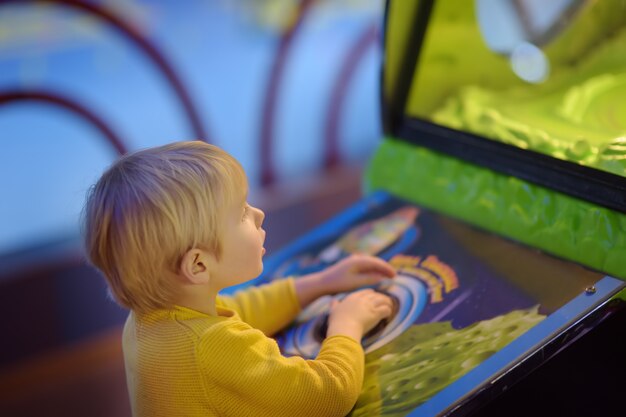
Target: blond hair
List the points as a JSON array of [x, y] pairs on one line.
[[149, 208]]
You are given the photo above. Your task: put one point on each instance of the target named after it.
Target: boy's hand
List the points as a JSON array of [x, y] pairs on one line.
[[353, 272], [358, 313]]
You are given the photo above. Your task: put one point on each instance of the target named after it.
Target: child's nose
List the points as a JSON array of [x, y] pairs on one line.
[[259, 216]]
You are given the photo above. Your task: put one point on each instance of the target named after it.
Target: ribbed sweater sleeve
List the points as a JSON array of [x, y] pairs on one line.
[[182, 362], [268, 307], [246, 375]]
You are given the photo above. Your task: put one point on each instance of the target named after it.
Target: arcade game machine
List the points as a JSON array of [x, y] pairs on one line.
[[499, 195]]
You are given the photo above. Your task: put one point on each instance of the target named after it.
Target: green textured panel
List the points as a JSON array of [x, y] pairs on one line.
[[558, 224]]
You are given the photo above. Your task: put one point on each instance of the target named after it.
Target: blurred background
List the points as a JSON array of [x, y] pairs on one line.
[[289, 87]]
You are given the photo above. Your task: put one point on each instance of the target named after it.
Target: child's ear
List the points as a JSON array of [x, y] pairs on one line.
[[194, 266]]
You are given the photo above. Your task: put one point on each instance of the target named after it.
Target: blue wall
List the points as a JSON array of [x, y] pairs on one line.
[[61, 63]]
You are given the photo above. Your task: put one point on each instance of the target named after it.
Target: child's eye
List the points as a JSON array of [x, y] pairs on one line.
[[245, 212]]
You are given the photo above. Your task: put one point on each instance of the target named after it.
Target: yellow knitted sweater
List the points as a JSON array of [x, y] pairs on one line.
[[181, 362]]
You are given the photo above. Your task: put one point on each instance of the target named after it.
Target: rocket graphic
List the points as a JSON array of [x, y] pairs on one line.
[[371, 237]]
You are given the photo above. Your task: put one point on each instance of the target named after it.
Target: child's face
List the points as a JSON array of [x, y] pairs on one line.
[[242, 245]]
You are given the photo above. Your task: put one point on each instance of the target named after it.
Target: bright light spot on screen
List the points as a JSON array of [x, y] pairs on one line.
[[529, 63]]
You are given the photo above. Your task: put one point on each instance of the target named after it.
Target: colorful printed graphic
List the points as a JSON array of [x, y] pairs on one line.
[[373, 236], [460, 296], [428, 357], [391, 233], [438, 277], [409, 296]]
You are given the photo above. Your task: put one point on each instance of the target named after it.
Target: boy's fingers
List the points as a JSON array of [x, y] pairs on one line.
[[361, 293], [369, 278], [377, 265], [386, 311], [384, 300]]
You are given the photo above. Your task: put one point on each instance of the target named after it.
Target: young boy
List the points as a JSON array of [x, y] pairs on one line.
[[170, 227]]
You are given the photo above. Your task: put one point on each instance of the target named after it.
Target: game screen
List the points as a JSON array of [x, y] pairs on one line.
[[467, 304], [542, 76]]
